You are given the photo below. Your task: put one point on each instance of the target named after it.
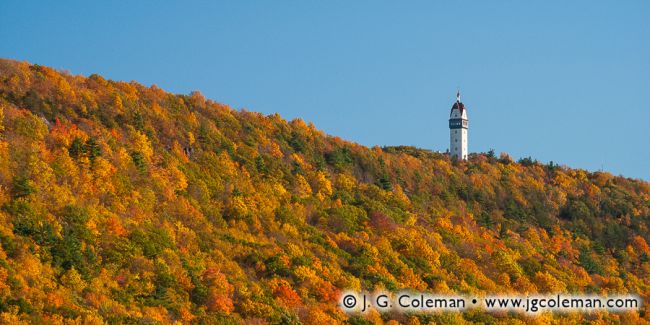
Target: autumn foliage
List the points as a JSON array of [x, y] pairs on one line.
[[125, 203]]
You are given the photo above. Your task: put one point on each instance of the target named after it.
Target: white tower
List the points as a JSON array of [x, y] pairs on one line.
[[458, 130]]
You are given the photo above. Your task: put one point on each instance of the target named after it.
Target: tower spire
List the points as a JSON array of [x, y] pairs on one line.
[[458, 95]]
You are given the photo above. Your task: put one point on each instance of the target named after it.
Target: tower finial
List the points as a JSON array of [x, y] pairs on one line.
[[458, 96]]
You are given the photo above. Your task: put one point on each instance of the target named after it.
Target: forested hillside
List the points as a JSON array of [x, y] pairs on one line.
[[125, 203]]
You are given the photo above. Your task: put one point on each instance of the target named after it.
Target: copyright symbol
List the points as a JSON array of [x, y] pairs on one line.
[[349, 301]]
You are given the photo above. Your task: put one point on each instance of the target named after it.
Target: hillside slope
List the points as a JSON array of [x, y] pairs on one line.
[[125, 203]]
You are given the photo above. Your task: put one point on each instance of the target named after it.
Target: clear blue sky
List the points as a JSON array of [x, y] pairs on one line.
[[567, 81]]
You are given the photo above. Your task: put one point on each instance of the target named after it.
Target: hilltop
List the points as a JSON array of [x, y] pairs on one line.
[[126, 203]]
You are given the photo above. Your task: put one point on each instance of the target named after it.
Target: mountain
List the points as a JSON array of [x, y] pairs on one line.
[[125, 203]]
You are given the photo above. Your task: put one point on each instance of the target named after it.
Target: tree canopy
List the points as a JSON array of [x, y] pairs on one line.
[[125, 203]]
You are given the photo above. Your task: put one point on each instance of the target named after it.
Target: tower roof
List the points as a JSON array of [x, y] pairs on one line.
[[458, 104]]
